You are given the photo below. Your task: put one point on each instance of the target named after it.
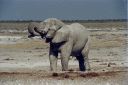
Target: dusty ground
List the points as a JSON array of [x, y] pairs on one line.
[[25, 61]]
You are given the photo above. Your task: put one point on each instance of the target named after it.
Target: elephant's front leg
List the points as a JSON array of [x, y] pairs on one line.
[[64, 61], [53, 61], [65, 54]]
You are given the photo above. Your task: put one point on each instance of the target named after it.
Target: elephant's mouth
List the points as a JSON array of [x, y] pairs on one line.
[[43, 36], [48, 40]]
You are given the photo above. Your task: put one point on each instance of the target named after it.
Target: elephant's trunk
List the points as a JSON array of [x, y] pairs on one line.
[[31, 32]]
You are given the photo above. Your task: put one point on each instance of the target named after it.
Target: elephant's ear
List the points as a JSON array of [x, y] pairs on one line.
[[58, 24], [60, 37]]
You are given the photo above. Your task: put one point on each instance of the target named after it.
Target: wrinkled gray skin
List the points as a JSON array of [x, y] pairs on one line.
[[68, 40], [31, 29], [71, 40]]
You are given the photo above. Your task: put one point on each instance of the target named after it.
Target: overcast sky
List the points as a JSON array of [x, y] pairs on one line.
[[62, 9]]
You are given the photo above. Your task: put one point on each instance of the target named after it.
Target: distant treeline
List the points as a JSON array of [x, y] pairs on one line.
[[106, 20], [68, 21]]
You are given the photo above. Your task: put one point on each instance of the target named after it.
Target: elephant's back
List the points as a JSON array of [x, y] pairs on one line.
[[79, 31], [80, 36], [78, 28]]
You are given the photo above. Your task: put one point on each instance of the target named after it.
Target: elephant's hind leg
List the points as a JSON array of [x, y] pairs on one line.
[[80, 59], [85, 53]]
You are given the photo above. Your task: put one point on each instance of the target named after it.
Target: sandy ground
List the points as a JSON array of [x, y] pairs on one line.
[[25, 61]]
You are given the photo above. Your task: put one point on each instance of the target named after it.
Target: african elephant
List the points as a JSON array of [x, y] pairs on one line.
[[69, 40]]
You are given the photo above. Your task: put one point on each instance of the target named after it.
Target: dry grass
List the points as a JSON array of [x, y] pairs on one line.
[[102, 25], [105, 43], [13, 26]]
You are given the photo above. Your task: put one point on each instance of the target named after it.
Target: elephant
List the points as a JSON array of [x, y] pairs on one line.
[[68, 40]]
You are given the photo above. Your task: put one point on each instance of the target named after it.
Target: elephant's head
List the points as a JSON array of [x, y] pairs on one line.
[[31, 31], [51, 26]]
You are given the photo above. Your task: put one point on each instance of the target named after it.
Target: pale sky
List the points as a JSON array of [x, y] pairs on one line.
[[62, 9]]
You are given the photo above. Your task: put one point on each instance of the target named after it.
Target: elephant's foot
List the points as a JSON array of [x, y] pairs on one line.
[[82, 68], [85, 70]]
